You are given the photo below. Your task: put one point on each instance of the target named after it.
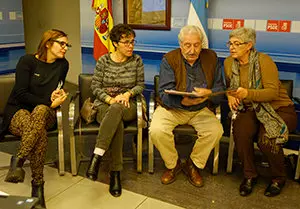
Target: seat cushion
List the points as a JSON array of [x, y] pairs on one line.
[[184, 129]]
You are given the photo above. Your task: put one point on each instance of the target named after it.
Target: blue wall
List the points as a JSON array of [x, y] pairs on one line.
[[286, 53], [9, 58], [147, 40], [284, 47], [11, 25]]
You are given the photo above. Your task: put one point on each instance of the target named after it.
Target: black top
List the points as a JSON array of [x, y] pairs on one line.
[[35, 81]]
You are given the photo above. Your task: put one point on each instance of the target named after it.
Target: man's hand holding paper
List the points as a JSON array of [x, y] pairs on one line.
[[202, 92], [200, 96]]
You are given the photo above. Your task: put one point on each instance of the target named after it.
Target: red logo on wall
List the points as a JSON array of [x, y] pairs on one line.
[[285, 26], [228, 24], [238, 23], [273, 25], [279, 26]]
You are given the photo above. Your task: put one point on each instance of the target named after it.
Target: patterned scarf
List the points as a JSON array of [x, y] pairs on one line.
[[276, 129]]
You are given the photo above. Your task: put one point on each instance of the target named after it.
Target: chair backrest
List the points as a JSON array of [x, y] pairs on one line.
[[7, 83], [84, 81], [288, 84], [156, 84]]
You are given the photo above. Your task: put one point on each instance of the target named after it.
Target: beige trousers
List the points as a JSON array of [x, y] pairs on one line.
[[208, 127]]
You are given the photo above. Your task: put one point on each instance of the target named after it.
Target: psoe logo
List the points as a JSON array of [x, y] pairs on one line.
[[285, 26], [228, 24], [238, 23], [273, 25]]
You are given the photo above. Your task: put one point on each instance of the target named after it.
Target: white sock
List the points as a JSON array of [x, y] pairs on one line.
[[99, 151]]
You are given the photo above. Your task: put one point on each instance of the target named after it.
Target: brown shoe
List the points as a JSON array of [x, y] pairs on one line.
[[193, 173], [169, 175]]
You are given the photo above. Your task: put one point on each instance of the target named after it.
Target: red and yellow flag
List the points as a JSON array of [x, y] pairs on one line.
[[103, 24]]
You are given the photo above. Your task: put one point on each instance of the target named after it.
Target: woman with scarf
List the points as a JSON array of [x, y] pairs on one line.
[[261, 104]]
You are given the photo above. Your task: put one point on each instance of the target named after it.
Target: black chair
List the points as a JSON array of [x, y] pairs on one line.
[[293, 136], [79, 127], [179, 130], [6, 85]]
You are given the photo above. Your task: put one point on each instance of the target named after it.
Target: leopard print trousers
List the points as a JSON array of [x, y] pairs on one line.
[[32, 128]]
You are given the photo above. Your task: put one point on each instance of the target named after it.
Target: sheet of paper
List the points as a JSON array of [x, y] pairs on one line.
[[182, 93], [192, 94]]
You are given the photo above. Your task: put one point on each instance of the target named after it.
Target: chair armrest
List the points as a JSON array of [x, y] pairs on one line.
[[296, 100], [60, 141], [151, 105], [59, 119], [139, 107], [72, 110]]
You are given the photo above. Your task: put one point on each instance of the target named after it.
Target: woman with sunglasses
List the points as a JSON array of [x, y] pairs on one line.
[[118, 78], [30, 110], [262, 105]]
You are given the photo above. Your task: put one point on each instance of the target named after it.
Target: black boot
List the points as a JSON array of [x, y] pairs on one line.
[[38, 191], [115, 187], [93, 169], [16, 173]]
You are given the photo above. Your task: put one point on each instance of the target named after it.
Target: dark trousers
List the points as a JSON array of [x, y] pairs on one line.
[[32, 128], [111, 130], [246, 128]]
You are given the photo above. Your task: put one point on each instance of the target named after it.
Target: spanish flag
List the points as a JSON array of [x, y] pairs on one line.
[[103, 24]]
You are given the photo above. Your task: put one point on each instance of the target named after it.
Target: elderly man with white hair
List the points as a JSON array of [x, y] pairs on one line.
[[190, 69]]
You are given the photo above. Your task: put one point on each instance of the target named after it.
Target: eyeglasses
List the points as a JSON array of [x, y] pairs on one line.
[[128, 43], [62, 43], [235, 44]]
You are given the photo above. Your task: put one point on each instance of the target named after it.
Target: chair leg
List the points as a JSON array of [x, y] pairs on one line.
[[230, 152], [73, 154], [297, 173], [150, 155], [61, 158], [60, 138], [216, 159], [139, 150]]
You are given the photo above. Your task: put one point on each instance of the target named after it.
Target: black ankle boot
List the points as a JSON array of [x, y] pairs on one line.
[[16, 173], [93, 169], [115, 187], [37, 190]]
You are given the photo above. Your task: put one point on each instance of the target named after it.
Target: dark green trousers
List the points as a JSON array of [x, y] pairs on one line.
[[111, 130]]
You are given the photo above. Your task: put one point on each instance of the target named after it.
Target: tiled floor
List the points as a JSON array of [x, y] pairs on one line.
[[62, 192], [144, 191]]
